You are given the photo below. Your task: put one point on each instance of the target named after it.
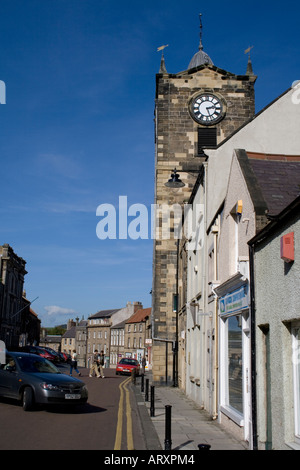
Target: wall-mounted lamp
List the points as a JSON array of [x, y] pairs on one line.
[[174, 181]]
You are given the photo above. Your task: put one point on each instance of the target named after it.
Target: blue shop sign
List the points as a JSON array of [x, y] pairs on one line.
[[235, 301]]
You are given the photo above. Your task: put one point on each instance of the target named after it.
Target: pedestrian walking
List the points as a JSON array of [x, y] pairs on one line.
[[101, 364], [73, 364], [143, 365], [95, 364]]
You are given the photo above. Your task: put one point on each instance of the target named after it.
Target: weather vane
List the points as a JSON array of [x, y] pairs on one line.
[[161, 48], [247, 51]]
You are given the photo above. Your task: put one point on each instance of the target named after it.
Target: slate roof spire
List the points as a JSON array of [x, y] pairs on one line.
[[201, 57], [162, 68]]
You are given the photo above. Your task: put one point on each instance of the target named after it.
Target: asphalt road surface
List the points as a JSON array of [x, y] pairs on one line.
[[109, 421]]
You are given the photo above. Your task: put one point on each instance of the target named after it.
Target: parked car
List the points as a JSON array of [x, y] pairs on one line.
[[66, 357], [35, 380], [40, 352], [54, 353], [126, 364]]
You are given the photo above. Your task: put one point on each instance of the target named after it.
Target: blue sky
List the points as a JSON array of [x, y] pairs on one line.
[[77, 128]]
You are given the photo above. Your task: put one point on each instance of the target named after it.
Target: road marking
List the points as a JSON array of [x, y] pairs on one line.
[[129, 421], [118, 440]]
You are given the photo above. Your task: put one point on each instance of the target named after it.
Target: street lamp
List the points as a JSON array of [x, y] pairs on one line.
[[174, 182]]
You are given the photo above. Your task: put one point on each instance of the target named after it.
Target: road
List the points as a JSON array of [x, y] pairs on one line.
[[109, 421]]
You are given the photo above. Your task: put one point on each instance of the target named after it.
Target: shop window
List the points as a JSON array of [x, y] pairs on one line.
[[235, 363]]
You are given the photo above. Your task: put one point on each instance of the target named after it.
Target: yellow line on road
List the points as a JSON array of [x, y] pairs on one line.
[[129, 421], [118, 439]]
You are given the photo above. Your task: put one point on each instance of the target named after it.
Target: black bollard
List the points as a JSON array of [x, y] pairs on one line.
[[152, 410], [142, 383], [168, 441], [204, 446], [133, 376], [147, 390]]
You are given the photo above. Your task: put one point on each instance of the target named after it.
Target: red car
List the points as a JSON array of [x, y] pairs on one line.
[[40, 352], [126, 365]]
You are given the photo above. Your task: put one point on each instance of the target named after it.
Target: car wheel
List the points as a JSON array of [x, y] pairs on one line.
[[27, 399]]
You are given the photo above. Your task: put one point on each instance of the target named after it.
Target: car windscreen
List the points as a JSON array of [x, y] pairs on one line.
[[131, 362], [36, 364]]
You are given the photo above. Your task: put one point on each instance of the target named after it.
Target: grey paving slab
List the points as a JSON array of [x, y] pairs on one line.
[[190, 425]]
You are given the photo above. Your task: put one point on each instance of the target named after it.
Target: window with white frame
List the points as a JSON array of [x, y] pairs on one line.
[[232, 366], [235, 362]]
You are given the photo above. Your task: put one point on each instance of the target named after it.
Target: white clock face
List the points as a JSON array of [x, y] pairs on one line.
[[207, 109]]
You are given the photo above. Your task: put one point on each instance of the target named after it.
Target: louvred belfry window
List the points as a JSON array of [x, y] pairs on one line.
[[207, 137]]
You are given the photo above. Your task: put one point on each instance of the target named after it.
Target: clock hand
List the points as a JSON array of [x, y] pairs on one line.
[[208, 109]]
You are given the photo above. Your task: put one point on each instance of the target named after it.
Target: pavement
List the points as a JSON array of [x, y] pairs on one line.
[[177, 423]]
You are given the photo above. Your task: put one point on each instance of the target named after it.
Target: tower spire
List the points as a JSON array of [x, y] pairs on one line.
[[200, 58], [162, 60], [249, 65]]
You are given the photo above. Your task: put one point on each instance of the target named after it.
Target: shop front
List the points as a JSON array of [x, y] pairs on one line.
[[234, 356]]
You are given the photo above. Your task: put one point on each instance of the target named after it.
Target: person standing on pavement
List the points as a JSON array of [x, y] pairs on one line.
[[73, 364], [143, 365], [101, 364], [95, 364]]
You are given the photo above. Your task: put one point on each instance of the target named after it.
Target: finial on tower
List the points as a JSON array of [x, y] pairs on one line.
[[200, 58], [201, 28], [162, 60], [249, 66]]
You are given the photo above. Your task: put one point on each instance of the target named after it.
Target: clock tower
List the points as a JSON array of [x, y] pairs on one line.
[[194, 109]]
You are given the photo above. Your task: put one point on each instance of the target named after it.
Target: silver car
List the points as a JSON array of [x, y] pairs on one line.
[[33, 379]]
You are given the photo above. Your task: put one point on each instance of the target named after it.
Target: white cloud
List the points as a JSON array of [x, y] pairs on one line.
[[56, 315], [54, 310]]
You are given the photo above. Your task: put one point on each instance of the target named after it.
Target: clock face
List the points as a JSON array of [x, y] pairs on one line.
[[207, 109]]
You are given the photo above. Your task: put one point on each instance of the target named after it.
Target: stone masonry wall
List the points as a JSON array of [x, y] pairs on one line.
[[177, 147]]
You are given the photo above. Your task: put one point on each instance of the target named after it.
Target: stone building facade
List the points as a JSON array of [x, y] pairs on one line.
[[99, 329], [194, 109], [117, 343], [137, 332], [12, 273]]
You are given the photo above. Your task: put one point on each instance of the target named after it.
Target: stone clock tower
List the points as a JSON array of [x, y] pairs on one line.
[[194, 109]]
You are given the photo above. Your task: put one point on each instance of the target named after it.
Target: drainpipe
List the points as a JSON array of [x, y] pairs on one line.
[[216, 320], [253, 351], [204, 279]]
